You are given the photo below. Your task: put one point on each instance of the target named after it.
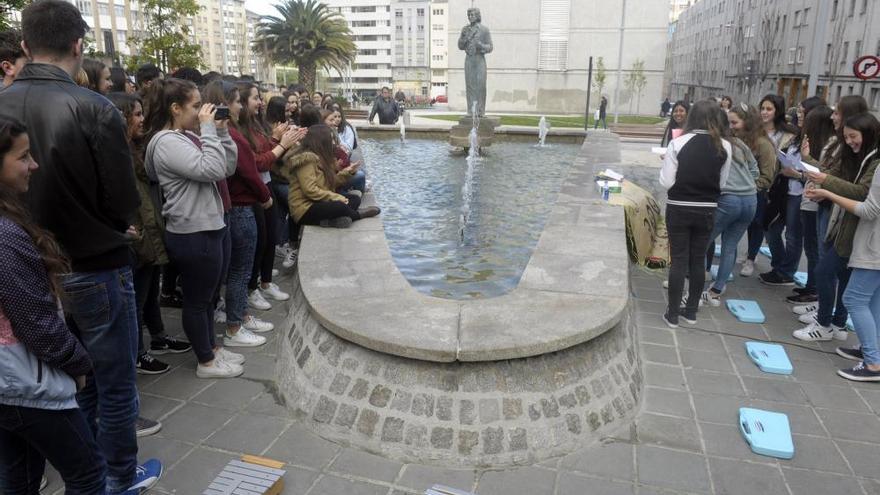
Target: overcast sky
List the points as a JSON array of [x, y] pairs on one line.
[[262, 7]]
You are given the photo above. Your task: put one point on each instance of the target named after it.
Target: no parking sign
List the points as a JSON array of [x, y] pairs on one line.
[[867, 67]]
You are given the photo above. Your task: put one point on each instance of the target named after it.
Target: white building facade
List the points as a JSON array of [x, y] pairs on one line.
[[410, 38], [439, 36], [370, 23], [542, 48], [113, 23]]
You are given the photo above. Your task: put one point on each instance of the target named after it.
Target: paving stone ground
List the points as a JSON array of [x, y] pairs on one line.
[[685, 440]]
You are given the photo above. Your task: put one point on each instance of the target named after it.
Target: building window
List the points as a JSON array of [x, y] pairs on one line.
[[864, 6], [845, 54], [367, 52], [363, 9], [858, 52], [398, 13], [791, 55], [365, 23], [852, 8], [437, 27], [834, 5], [797, 18], [103, 9], [420, 12], [800, 55], [121, 37], [828, 53], [553, 37]]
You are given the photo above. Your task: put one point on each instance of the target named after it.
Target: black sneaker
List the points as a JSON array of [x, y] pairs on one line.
[[687, 316], [169, 345], [853, 353], [172, 300], [860, 373], [773, 278], [803, 290], [146, 427], [148, 365], [671, 321], [802, 298]]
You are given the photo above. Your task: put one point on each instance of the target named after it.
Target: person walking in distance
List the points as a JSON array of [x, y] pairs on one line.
[[603, 109], [84, 194], [386, 108]]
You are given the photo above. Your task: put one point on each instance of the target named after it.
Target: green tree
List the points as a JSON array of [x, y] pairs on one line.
[[599, 76], [635, 83], [166, 36], [308, 35], [7, 7]]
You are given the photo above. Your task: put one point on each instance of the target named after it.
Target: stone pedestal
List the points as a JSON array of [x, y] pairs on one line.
[[459, 135]]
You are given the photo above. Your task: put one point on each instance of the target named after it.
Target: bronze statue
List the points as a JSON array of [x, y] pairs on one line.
[[476, 41]]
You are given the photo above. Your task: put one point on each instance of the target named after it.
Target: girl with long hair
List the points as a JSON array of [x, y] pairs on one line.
[[191, 170], [784, 198], [42, 364], [246, 189], [751, 132], [267, 150], [829, 287], [149, 247], [736, 205], [98, 74], [851, 179], [277, 112], [862, 295], [677, 119], [695, 168], [314, 180], [358, 181]]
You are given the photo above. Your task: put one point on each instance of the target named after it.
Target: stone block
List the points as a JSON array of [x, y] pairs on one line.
[[534, 412], [583, 395], [392, 430], [467, 440], [360, 389], [416, 435], [402, 400], [423, 405], [489, 412], [325, 410], [367, 422], [380, 396], [512, 408], [339, 384], [550, 407], [594, 420], [493, 439], [467, 413], [346, 415], [303, 357], [444, 408], [441, 438], [573, 421], [518, 439], [568, 401]]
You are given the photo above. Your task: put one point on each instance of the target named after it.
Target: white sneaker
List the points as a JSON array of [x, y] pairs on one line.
[[808, 318], [275, 272], [805, 308], [219, 369], [243, 338], [711, 299], [257, 325], [256, 301], [228, 356], [814, 332], [282, 251], [748, 268], [274, 292], [840, 333], [666, 284], [220, 315], [290, 259]]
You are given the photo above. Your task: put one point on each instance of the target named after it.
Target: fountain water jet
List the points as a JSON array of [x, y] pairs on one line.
[[543, 129], [473, 158]]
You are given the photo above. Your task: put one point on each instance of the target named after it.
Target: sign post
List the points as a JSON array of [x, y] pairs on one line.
[[867, 67]]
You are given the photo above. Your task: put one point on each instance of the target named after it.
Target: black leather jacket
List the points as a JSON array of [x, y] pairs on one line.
[[84, 190]]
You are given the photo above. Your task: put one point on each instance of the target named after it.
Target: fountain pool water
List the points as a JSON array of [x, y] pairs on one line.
[[419, 187]]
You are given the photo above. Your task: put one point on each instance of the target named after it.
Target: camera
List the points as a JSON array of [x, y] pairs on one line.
[[221, 113]]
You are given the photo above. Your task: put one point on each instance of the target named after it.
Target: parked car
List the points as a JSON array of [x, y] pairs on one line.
[[441, 99]]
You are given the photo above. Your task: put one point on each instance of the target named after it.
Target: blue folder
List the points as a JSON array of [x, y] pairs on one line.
[[767, 433], [765, 250], [746, 311], [770, 358], [800, 279]]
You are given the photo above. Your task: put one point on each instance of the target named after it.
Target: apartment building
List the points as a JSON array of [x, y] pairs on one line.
[[370, 23], [221, 29], [746, 48], [410, 39], [439, 37], [112, 23]]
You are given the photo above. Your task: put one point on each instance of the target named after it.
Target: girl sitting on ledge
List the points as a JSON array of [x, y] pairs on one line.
[[313, 180]]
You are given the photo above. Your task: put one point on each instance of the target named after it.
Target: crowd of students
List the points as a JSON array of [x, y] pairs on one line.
[[804, 181], [118, 197]]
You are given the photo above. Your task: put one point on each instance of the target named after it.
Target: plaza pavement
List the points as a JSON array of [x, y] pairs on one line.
[[685, 439]]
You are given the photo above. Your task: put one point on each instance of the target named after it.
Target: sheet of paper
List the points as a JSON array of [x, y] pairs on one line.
[[658, 150], [612, 174], [809, 168], [789, 161]]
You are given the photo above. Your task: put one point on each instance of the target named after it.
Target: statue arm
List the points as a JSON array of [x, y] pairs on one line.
[[486, 41], [463, 38]]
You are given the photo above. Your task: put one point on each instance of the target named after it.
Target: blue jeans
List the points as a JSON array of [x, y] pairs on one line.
[[811, 246], [102, 311], [199, 257], [862, 298], [832, 276], [756, 229], [786, 255], [732, 219], [604, 123], [358, 181], [243, 230], [29, 437]]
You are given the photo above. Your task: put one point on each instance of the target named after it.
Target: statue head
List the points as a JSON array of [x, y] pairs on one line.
[[474, 15]]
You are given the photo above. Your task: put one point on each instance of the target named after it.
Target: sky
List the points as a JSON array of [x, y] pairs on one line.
[[263, 7]]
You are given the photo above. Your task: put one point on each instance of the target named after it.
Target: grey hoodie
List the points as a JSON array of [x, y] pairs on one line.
[[866, 242], [188, 174]]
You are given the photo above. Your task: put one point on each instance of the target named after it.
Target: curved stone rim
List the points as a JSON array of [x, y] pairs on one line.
[[574, 288]]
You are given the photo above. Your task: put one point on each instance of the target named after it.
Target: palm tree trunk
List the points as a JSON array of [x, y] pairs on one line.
[[307, 76]]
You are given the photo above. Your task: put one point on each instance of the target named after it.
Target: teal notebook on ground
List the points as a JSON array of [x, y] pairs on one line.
[[765, 250], [770, 358], [849, 324], [717, 250], [714, 272], [746, 311], [800, 279], [767, 433]]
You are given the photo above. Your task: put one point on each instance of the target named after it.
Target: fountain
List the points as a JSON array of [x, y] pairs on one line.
[[402, 132], [467, 188], [543, 129]]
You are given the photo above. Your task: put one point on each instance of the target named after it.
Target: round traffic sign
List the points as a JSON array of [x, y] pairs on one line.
[[867, 67]]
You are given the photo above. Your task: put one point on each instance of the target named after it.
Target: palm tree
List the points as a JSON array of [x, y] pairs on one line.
[[307, 34]]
